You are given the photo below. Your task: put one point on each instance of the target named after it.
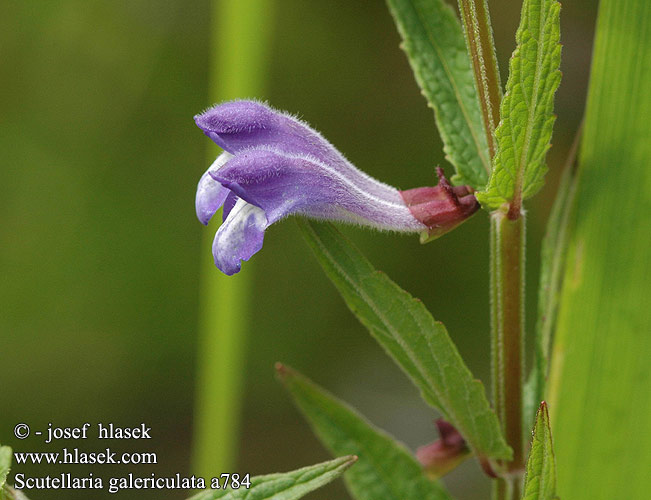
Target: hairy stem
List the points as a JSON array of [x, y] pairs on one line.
[[507, 296], [481, 47], [507, 261]]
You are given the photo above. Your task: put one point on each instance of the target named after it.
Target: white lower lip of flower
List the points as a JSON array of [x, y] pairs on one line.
[[233, 239], [243, 215], [220, 161]]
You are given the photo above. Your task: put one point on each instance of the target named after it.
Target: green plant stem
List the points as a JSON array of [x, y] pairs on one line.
[[507, 299], [481, 47], [507, 261], [240, 40]]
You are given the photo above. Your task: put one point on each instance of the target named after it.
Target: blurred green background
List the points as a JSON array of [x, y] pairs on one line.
[[100, 251]]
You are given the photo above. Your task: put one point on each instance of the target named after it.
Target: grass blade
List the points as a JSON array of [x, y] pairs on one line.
[[599, 381]]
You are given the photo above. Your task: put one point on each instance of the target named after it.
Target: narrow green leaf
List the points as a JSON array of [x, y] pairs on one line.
[[385, 470], [553, 258], [540, 481], [600, 376], [436, 49], [5, 464], [407, 331], [527, 119], [285, 485]]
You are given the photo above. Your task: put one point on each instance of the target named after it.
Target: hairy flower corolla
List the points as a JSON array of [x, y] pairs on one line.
[[275, 165]]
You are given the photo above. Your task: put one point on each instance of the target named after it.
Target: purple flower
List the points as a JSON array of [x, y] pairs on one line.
[[274, 165]]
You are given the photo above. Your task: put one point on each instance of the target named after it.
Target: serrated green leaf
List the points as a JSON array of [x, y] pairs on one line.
[[385, 470], [285, 485], [526, 113], [553, 258], [436, 49], [5, 464], [407, 331], [540, 479]]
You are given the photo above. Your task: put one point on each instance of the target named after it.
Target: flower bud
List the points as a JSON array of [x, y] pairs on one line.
[[444, 454], [440, 208]]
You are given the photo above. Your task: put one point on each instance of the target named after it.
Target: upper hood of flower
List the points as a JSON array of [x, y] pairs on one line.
[[236, 126]]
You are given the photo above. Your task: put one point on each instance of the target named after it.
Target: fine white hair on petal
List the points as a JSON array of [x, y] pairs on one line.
[[348, 198], [220, 161]]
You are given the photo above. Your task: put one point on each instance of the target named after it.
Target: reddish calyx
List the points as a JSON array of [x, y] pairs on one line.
[[444, 454], [440, 208]]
